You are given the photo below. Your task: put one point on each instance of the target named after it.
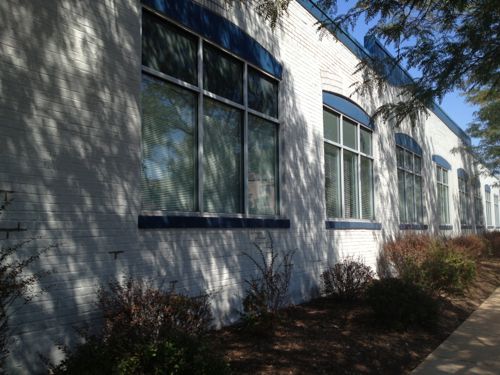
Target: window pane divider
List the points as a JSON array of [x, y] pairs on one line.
[[171, 79], [199, 163], [359, 214], [262, 115], [223, 100], [245, 140], [341, 169]]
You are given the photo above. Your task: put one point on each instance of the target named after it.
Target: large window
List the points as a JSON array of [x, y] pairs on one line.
[[409, 186], [348, 167], [478, 205], [487, 194], [210, 128], [442, 195], [463, 195]]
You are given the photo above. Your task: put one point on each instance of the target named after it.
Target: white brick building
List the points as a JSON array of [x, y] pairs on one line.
[[181, 200]]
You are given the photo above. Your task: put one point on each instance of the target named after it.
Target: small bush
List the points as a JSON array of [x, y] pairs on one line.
[[400, 304], [145, 331], [406, 251], [446, 269], [268, 293], [346, 280], [472, 245]]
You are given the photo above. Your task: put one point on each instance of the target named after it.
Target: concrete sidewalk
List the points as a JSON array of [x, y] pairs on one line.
[[474, 348]]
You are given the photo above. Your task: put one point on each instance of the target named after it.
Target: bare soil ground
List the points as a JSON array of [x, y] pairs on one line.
[[325, 336]]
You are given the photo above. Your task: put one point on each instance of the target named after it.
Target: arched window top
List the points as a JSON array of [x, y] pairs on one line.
[[462, 174], [347, 107], [408, 143], [218, 30], [487, 188], [442, 162]]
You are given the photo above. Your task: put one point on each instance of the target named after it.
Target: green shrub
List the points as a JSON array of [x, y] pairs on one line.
[[446, 269], [346, 280], [436, 264], [400, 304], [146, 331], [472, 245]]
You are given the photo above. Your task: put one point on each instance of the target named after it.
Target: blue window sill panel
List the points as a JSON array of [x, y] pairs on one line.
[[445, 227], [179, 222], [413, 226], [333, 224], [465, 226], [491, 227]]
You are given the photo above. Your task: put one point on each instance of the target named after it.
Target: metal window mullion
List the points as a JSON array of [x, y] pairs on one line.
[[341, 169], [359, 213], [200, 126], [245, 140]]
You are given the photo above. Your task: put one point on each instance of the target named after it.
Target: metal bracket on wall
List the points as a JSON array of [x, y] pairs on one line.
[[16, 229], [115, 253]]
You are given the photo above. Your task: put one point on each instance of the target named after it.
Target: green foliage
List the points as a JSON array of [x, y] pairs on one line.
[[267, 293], [145, 331], [453, 44], [347, 280], [446, 270], [486, 127], [399, 303]]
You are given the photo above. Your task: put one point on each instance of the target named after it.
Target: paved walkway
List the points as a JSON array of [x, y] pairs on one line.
[[474, 348]]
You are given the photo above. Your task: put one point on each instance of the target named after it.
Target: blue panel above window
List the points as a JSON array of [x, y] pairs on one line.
[[218, 30], [439, 160], [487, 188], [407, 142], [462, 174], [347, 107]]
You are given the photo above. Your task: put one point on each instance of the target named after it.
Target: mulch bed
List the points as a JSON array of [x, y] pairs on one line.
[[329, 337]]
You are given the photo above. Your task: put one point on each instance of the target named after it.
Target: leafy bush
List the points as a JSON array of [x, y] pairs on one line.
[[471, 245], [446, 269], [399, 303], [347, 280], [145, 331], [436, 264], [406, 251], [268, 293], [177, 356]]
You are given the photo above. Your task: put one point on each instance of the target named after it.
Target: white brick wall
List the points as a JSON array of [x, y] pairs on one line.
[[70, 149]]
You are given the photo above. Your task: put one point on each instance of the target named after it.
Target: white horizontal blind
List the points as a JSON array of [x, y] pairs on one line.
[[168, 142]]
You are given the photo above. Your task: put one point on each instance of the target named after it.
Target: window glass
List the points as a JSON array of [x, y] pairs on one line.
[[332, 181], [408, 160], [350, 134], [262, 162], [417, 164], [410, 197], [262, 93], [400, 155], [168, 49], [331, 125], [350, 185], [222, 74], [438, 174], [366, 188], [222, 153], [419, 214], [366, 141], [402, 198], [169, 115]]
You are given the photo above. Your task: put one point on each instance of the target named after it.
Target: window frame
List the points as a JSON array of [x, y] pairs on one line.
[[413, 174], [489, 217], [446, 188], [243, 107], [496, 210], [464, 204], [339, 145]]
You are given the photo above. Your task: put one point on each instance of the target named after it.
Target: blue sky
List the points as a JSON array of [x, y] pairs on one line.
[[453, 104]]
